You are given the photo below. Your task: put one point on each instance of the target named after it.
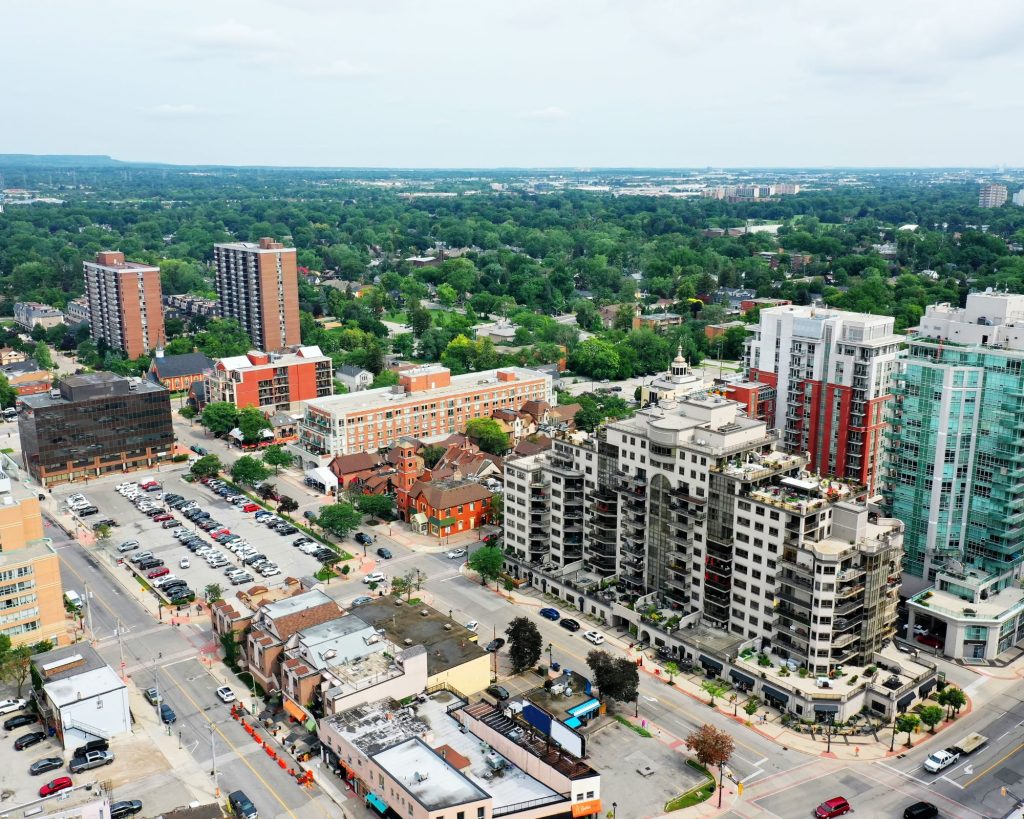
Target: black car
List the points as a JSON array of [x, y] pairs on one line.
[[28, 740], [125, 808], [105, 522], [384, 552], [198, 450], [167, 715], [85, 511], [46, 764], [151, 563], [94, 745], [19, 721], [363, 539], [921, 810], [499, 692], [322, 554], [286, 530], [241, 805], [253, 558], [495, 644], [570, 624]]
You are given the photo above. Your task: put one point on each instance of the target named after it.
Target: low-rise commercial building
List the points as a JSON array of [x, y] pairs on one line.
[[94, 424], [271, 380], [427, 402]]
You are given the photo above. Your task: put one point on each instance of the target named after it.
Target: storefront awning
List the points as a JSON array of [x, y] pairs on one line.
[[323, 476], [768, 692], [591, 807], [903, 703], [713, 665], [294, 710], [742, 679], [377, 802], [420, 519], [826, 708], [925, 689], [589, 707]]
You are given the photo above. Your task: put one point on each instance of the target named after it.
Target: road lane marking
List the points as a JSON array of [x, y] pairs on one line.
[[761, 762], [998, 762]]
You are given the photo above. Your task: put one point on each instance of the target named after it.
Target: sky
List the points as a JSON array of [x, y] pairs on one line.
[[520, 83]]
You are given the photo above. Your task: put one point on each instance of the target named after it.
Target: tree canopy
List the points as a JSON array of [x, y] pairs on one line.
[[525, 643], [339, 519], [249, 470]]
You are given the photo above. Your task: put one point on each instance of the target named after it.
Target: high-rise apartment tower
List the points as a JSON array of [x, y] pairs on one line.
[[125, 303]]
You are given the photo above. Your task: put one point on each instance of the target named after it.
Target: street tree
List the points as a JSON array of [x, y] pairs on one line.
[[8, 395], [220, 417], [277, 457], [339, 519], [524, 643], [43, 356], [616, 678], [751, 705], [931, 715], [488, 435], [713, 748], [671, 669], [329, 561], [907, 723], [287, 504], [213, 593], [16, 667], [252, 423], [207, 467], [487, 561], [714, 689], [188, 413], [102, 531], [953, 698], [249, 470], [376, 506]]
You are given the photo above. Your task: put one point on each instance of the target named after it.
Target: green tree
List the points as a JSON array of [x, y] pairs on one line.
[[487, 561], [287, 504], [713, 748], [249, 470], [8, 395], [213, 593], [672, 669], [252, 424], [714, 689], [497, 508], [751, 705], [42, 356], [102, 531], [329, 560], [616, 678], [277, 457], [953, 698], [595, 358], [376, 506], [524, 643], [339, 519], [447, 295], [907, 723], [223, 338], [188, 413], [431, 454], [385, 378], [931, 715], [207, 467], [16, 667], [220, 417], [488, 435]]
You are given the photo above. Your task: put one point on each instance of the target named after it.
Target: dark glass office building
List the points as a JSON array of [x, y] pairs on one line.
[[95, 424]]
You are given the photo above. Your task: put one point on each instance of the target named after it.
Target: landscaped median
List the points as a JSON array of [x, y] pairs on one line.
[[695, 795]]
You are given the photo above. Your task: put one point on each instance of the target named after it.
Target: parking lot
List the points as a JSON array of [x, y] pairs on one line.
[[152, 537]]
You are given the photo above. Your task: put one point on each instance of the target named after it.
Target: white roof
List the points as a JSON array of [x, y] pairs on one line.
[[83, 686], [321, 474]]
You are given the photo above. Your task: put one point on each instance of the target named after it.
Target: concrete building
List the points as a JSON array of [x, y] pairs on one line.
[[94, 424], [125, 304], [499, 332], [186, 304], [954, 472], [830, 370], [31, 592], [82, 698], [355, 379], [1018, 197], [257, 285], [428, 401], [992, 196], [678, 382], [659, 322], [444, 757], [31, 313], [77, 312], [274, 380]]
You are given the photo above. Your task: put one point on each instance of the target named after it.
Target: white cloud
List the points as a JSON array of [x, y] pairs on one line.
[[168, 111], [334, 68], [551, 113], [232, 35]]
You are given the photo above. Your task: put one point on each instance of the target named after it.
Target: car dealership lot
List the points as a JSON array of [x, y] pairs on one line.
[[198, 573]]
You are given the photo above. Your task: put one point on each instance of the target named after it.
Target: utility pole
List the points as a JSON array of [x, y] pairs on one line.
[[88, 611], [213, 754], [120, 646]]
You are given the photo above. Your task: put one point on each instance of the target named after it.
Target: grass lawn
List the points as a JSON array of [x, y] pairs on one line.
[[398, 317], [696, 795]]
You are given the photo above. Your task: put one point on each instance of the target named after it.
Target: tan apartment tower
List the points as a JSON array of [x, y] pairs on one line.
[[257, 285], [125, 303]]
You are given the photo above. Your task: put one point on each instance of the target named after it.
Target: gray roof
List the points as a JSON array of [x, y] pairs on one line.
[[172, 366], [351, 371]]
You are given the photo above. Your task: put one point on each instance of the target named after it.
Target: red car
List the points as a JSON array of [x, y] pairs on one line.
[[836, 806], [221, 531], [251, 507], [162, 517], [928, 640], [158, 573], [61, 783]]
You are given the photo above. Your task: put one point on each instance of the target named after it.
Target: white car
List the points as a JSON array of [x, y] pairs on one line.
[[376, 577], [269, 571], [455, 554], [184, 563], [472, 625], [595, 637], [226, 694], [7, 706]]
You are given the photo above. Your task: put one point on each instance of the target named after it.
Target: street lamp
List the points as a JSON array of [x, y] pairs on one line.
[[721, 779], [892, 745], [615, 806], [828, 733], [549, 656]]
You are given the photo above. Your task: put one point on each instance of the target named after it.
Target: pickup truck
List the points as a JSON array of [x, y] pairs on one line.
[[941, 760]]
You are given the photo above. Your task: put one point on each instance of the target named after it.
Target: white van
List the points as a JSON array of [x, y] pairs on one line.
[[74, 599]]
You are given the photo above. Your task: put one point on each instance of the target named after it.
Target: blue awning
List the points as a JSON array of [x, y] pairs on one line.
[[573, 722], [589, 707], [377, 802]]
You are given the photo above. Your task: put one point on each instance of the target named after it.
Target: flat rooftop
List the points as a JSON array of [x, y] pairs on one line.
[[91, 386], [431, 780], [996, 606], [460, 385], [406, 626]]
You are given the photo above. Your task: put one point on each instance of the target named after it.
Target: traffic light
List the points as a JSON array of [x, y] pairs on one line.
[[739, 788]]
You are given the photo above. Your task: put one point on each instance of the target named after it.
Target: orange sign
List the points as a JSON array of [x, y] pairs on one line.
[[591, 807]]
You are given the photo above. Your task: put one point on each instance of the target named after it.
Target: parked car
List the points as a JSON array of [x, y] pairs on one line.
[[28, 740], [167, 715], [499, 692], [285, 530], [242, 806], [569, 624], [549, 614], [85, 511], [125, 808], [495, 644], [94, 745], [920, 810], [455, 554], [931, 642], [108, 522], [375, 577], [836, 806], [171, 524], [359, 601], [250, 507], [152, 696], [158, 572], [472, 625], [46, 764], [226, 694], [61, 783], [9, 706], [363, 539], [20, 721], [93, 759], [385, 553], [595, 637]]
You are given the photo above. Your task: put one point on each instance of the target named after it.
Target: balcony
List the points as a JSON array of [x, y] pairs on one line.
[[793, 599], [843, 640], [850, 591], [787, 615]]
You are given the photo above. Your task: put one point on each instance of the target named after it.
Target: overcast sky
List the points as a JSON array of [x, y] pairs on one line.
[[478, 83]]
